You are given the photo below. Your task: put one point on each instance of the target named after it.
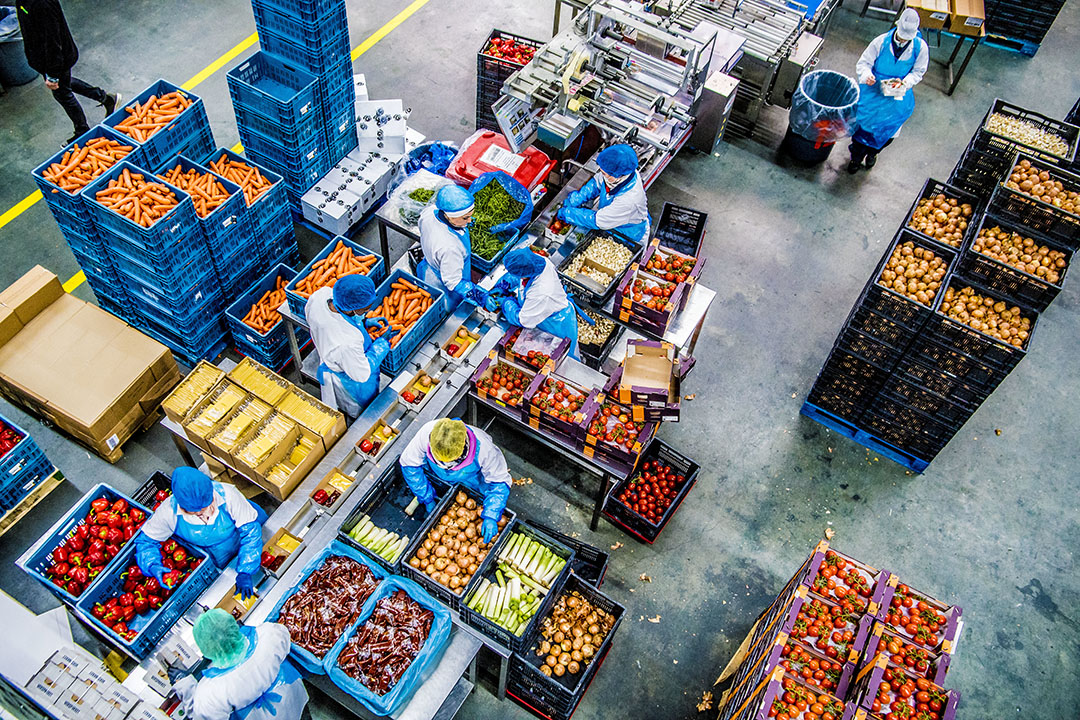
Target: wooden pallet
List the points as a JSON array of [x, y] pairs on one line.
[[27, 504]]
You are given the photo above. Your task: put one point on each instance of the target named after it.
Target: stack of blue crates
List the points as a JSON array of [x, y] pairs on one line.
[[22, 468], [271, 348], [166, 269], [311, 35]]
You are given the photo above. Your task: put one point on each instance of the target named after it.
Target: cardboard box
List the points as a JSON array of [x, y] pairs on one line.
[[120, 697], [77, 366], [146, 711], [282, 490], [968, 18], [933, 14], [649, 379]]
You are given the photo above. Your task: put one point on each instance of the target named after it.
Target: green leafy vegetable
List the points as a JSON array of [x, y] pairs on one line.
[[493, 206]]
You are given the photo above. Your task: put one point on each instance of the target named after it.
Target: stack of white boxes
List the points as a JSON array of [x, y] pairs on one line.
[[74, 685], [340, 199]]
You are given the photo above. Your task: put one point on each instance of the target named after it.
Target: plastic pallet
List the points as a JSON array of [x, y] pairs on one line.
[[867, 440], [316, 60], [57, 198], [174, 137], [1024, 47], [274, 87]]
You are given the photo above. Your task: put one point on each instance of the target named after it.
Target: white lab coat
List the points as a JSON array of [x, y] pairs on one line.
[[492, 463], [340, 345], [162, 524], [864, 68], [627, 208], [444, 251], [216, 698], [543, 298]]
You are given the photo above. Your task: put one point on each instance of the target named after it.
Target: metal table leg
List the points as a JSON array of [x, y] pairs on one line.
[[558, 12], [954, 79], [294, 347], [604, 488], [504, 664], [182, 448], [384, 243], [470, 411]]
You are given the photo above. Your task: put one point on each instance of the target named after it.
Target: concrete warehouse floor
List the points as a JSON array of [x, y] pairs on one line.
[[992, 524]]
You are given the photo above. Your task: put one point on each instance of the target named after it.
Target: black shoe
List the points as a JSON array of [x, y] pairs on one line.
[[871, 161], [78, 134], [110, 104], [853, 166]]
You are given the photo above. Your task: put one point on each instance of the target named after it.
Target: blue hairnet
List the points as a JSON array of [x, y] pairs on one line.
[[618, 160], [454, 200], [218, 636], [193, 489], [524, 263], [353, 293]]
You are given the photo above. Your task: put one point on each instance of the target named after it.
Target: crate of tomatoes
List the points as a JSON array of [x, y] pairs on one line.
[[643, 503], [502, 382], [925, 621], [902, 652], [560, 407], [615, 437], [533, 347], [887, 692], [785, 694], [648, 300], [504, 54], [845, 580], [813, 667], [833, 629]]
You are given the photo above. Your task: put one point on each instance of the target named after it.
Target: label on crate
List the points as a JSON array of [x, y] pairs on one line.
[[112, 441], [502, 159]]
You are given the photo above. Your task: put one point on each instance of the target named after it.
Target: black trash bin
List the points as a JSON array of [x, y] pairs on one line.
[[822, 112], [14, 69]]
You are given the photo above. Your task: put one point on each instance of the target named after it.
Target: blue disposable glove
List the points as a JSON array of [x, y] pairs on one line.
[[501, 227], [244, 586], [376, 323], [561, 215], [429, 506], [158, 573], [477, 296], [491, 304], [511, 310], [488, 530], [389, 334], [507, 284]]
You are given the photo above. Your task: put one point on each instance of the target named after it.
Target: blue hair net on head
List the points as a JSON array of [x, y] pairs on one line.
[[353, 293], [219, 638], [193, 489], [453, 200], [618, 160], [524, 263]]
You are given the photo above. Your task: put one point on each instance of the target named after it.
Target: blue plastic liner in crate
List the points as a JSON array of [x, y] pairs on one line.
[[175, 136], [291, 135], [295, 28], [316, 59], [377, 273], [54, 196], [272, 205], [151, 626], [276, 87], [518, 192], [176, 224], [229, 219], [306, 10], [424, 662], [303, 657], [415, 336], [39, 558]]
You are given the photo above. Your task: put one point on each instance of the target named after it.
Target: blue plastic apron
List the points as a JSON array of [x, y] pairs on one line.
[[635, 231], [467, 472], [280, 696], [880, 117], [428, 274], [221, 540], [362, 392], [562, 323]]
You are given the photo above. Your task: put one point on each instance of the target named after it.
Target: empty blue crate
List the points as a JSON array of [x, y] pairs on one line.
[[292, 157], [292, 26], [175, 225], [306, 10], [271, 205], [275, 87], [58, 198], [189, 125], [316, 59], [199, 304], [227, 224]]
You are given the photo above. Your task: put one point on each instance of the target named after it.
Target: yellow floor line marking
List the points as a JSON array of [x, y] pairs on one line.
[[220, 62], [388, 27], [78, 279], [19, 208]]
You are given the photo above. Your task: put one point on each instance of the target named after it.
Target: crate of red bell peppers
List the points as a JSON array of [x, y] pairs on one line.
[[84, 543], [22, 464], [156, 490], [135, 611], [504, 54]]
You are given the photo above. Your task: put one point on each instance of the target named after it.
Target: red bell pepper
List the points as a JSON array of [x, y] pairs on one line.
[[127, 599], [120, 506], [100, 505]]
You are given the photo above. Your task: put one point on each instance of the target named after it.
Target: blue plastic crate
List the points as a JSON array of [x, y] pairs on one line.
[[339, 112], [315, 59], [228, 219], [428, 322], [60, 199], [236, 279], [111, 305], [181, 316], [333, 81], [208, 344], [155, 624], [377, 272], [290, 25], [174, 226], [90, 247], [342, 145], [177, 268], [13, 491], [272, 205], [74, 225], [19, 458], [276, 87], [235, 313], [199, 145], [174, 137], [486, 266], [292, 135], [297, 179], [39, 559], [294, 157], [306, 10]]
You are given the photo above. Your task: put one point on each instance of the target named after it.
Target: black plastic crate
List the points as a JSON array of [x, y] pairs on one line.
[[500, 634], [1073, 118], [385, 503], [936, 187], [557, 697], [590, 562], [943, 384], [148, 490], [496, 69], [587, 293], [950, 362], [681, 228], [455, 601], [864, 346], [1067, 132], [907, 428], [847, 384], [1036, 215], [629, 520], [1011, 282], [973, 343], [904, 390], [594, 355]]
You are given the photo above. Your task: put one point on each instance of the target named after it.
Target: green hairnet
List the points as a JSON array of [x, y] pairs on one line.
[[448, 439], [218, 636]]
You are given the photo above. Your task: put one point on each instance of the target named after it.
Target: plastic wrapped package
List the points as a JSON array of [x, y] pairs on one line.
[[823, 107], [414, 194]]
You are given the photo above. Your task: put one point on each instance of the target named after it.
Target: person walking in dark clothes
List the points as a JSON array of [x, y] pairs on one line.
[[50, 49]]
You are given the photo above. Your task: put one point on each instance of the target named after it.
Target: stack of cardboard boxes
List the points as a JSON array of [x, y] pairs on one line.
[[74, 685], [962, 17]]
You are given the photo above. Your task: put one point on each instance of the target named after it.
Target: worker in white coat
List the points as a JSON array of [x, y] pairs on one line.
[[620, 194], [444, 239], [350, 359], [250, 676], [457, 453], [538, 299], [888, 70]]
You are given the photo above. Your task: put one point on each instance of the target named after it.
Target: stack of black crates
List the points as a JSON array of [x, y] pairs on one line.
[[902, 378], [491, 73], [1021, 25]]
